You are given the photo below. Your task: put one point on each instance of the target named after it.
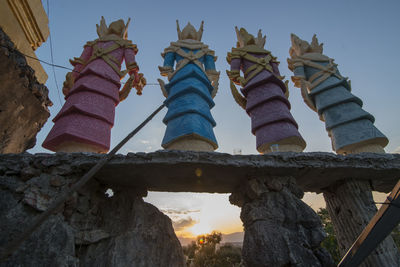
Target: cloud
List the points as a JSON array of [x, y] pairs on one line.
[[145, 141], [183, 223], [397, 150], [178, 211]]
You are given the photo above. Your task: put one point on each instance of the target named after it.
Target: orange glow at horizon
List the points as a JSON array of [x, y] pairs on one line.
[[214, 215]]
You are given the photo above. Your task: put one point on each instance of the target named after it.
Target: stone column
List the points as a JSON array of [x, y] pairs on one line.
[[280, 229]]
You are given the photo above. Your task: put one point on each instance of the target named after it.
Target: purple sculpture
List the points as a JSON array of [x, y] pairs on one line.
[[265, 95], [92, 92]]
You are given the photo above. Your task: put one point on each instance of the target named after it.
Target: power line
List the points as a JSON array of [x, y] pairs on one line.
[[57, 66], [51, 56]]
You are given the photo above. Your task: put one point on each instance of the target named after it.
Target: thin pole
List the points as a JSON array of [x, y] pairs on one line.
[[14, 244]]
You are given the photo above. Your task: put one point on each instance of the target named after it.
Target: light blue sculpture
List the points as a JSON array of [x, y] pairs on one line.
[[327, 92], [190, 92]]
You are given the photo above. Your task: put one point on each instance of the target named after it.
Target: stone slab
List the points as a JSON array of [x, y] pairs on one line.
[[212, 172]]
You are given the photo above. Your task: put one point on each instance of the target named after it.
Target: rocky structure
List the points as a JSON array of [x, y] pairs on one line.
[[91, 229], [280, 229], [351, 129], [24, 101]]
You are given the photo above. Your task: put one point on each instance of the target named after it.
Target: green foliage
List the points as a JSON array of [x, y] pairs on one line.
[[396, 235], [227, 256], [330, 242], [190, 250], [203, 252]]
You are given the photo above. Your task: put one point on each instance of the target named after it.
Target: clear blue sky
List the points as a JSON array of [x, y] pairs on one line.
[[362, 37]]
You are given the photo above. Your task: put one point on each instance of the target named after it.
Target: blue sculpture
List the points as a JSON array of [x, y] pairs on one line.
[[190, 92], [327, 92]]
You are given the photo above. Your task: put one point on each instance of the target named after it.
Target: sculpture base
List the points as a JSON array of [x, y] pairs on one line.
[[190, 144], [370, 148], [290, 144], [71, 147]]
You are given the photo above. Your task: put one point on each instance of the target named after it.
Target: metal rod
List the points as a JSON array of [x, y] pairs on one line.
[[14, 244]]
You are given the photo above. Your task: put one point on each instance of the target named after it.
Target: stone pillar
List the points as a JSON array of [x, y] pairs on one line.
[[280, 229]]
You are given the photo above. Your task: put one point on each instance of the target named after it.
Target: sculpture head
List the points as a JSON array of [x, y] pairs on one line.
[[245, 38], [189, 32], [117, 28], [301, 47]]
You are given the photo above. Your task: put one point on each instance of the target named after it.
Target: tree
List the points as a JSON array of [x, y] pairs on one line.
[[330, 242], [228, 256], [396, 235], [204, 252], [190, 250]]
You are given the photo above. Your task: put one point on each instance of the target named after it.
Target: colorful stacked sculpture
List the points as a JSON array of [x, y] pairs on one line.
[[266, 96], [190, 92], [92, 92], [327, 92]]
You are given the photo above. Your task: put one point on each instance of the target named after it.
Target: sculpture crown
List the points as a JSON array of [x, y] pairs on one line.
[[300, 47], [189, 32], [245, 38], [118, 28]]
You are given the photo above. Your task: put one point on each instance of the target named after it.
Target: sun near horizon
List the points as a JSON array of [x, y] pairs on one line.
[[195, 214]]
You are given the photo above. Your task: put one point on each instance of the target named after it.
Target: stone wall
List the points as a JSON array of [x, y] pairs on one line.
[[23, 100], [91, 229]]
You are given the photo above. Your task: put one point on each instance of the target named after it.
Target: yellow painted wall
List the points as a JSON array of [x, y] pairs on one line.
[[26, 23]]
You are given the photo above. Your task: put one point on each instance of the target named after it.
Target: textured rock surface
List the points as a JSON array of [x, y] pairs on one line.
[[23, 100], [222, 173], [91, 229], [351, 207], [280, 229], [29, 182]]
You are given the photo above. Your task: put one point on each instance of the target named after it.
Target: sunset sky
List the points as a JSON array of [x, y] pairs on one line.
[[362, 37]]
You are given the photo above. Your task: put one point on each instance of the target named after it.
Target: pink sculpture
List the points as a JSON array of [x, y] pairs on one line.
[[92, 92]]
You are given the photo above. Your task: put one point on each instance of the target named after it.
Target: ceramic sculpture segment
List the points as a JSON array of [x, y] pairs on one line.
[[92, 92], [327, 92], [192, 85], [265, 95]]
